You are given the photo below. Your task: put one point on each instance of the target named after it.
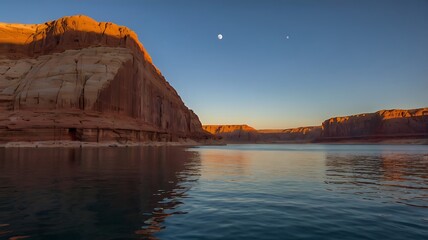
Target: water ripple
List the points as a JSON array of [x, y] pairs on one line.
[[227, 192], [399, 178]]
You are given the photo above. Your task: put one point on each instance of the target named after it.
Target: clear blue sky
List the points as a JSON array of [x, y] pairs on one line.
[[342, 57]]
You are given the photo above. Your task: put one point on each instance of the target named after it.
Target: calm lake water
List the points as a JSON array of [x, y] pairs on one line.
[[218, 192]]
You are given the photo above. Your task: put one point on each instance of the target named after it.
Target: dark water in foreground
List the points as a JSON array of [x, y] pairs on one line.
[[227, 192]]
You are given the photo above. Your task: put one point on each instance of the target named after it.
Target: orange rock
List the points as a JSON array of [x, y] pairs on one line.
[[381, 124], [77, 79], [245, 133], [73, 32], [216, 129]]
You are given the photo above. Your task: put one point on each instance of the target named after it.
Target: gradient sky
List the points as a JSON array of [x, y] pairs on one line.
[[342, 57]]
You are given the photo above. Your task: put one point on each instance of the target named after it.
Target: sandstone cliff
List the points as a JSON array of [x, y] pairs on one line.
[[245, 133], [382, 124], [78, 79], [233, 133], [300, 134]]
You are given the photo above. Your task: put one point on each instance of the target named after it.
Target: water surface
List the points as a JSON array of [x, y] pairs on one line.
[[218, 192]]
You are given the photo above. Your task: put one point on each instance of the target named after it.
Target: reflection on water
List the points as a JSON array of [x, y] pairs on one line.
[[306, 192], [226, 165], [396, 177], [99, 193], [310, 191]]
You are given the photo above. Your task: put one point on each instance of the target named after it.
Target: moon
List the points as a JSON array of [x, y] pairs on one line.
[[220, 36]]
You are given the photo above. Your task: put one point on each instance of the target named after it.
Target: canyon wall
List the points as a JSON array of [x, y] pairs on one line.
[[245, 133], [394, 123], [77, 79], [300, 134], [378, 126], [233, 133]]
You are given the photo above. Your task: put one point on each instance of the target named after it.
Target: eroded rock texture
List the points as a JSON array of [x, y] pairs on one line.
[[300, 134], [245, 133], [77, 79], [381, 124], [233, 133], [378, 126]]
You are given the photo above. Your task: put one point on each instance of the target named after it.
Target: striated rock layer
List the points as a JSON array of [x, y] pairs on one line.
[[77, 79], [234, 133], [300, 134], [394, 123], [381, 125], [245, 133]]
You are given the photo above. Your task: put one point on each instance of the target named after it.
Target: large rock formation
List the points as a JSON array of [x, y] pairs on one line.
[[233, 133], [300, 134], [78, 79], [245, 133], [394, 123], [378, 126]]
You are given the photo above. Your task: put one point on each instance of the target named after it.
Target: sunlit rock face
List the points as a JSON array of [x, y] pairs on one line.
[[384, 123], [217, 129], [381, 125], [300, 134], [245, 133], [78, 79], [233, 133]]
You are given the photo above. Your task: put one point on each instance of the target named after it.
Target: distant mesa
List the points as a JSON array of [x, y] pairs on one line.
[[78, 79], [216, 129], [233, 132], [395, 123], [245, 133], [392, 125]]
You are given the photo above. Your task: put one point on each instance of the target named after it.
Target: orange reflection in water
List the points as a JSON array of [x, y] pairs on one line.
[[393, 169], [257, 165], [218, 163]]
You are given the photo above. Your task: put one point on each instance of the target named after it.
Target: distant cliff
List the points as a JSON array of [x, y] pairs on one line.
[[381, 125], [78, 79], [301, 134], [219, 129], [245, 133], [235, 133]]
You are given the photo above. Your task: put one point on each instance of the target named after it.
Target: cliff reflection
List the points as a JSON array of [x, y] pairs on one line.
[[224, 164], [99, 193], [386, 177]]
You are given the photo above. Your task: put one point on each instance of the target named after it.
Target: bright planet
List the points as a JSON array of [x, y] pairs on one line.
[[220, 36]]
